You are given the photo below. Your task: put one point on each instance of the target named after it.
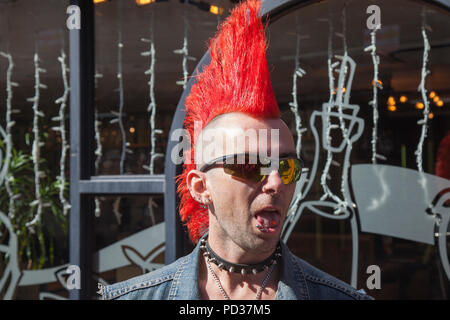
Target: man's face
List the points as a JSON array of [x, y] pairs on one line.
[[239, 205]]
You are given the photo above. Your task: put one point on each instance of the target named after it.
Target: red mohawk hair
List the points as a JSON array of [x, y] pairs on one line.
[[236, 80]]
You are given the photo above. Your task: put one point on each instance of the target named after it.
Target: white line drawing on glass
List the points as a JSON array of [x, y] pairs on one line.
[[148, 240], [144, 262], [120, 254], [12, 273], [427, 222], [351, 127], [402, 206]]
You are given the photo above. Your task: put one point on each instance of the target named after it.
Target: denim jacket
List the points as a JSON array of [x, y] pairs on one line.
[[178, 281]]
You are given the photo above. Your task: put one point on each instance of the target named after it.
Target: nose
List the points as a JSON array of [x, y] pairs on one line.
[[273, 183]]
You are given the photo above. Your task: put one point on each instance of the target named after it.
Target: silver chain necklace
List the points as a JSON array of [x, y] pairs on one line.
[[225, 295]]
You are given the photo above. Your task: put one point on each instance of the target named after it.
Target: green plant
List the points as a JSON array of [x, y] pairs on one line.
[[46, 243]]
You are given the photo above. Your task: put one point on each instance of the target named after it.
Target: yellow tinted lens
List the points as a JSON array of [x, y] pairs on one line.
[[289, 170]]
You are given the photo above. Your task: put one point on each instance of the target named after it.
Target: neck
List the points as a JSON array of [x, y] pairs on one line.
[[241, 268], [236, 285], [234, 252]]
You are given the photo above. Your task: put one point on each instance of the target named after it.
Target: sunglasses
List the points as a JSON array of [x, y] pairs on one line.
[[254, 168]]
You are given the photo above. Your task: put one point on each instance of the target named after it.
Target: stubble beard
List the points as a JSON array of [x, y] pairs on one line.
[[243, 235]]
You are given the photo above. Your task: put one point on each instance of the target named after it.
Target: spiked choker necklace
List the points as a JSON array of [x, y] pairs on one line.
[[235, 267]]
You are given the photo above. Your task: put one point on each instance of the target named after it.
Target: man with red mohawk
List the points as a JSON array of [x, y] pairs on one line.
[[238, 181]]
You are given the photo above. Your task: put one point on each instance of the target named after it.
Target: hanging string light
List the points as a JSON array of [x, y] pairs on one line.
[[376, 84], [9, 124], [152, 110], [99, 148], [119, 115], [298, 73], [325, 175], [340, 96], [37, 144], [97, 76], [62, 101], [98, 157], [426, 105], [121, 96], [184, 50], [152, 105]]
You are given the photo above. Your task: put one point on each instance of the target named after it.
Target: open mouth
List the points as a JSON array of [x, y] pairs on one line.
[[268, 220]]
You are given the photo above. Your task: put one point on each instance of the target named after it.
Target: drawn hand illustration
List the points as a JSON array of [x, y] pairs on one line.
[[338, 119]]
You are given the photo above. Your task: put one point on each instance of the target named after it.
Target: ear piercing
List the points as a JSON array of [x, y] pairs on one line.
[[205, 205]]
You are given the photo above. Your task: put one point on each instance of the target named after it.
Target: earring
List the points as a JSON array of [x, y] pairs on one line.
[[205, 205]]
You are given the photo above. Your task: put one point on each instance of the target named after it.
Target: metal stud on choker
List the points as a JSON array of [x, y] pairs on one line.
[[235, 267]]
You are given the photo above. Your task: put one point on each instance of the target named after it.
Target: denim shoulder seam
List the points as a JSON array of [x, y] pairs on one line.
[[142, 285], [174, 285], [302, 274], [331, 284]]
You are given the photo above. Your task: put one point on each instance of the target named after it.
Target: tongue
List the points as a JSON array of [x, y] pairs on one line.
[[268, 219]]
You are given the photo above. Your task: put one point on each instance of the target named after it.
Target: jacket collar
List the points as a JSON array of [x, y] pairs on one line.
[[291, 285], [292, 282]]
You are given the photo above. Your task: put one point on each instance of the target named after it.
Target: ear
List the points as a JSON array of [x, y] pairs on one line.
[[196, 183]]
